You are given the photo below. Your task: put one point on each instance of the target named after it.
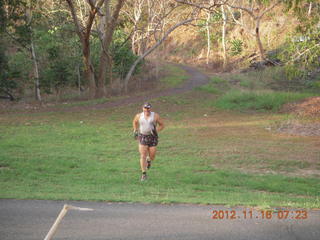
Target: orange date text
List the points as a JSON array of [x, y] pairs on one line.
[[259, 214]]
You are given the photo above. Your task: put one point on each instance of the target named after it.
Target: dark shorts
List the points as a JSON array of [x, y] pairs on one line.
[[148, 140]]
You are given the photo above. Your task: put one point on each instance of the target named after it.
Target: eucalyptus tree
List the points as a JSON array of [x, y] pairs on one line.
[[256, 9], [157, 19], [86, 13], [18, 25], [150, 22], [223, 36]]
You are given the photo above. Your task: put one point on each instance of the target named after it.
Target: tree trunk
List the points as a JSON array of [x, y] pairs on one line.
[[36, 73], [33, 53], [258, 39], [257, 18], [88, 68], [84, 36], [79, 78], [208, 37], [224, 54], [105, 57], [104, 25], [310, 8]]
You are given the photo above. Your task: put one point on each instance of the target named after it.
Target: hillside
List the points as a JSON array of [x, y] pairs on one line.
[[189, 45]]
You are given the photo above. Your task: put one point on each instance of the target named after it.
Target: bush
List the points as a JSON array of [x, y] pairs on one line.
[[236, 47], [9, 76], [123, 58], [122, 55]]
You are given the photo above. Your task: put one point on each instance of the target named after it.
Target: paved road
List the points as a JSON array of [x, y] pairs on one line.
[[31, 219]]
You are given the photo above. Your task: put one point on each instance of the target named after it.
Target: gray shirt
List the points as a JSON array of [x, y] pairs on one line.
[[146, 124]]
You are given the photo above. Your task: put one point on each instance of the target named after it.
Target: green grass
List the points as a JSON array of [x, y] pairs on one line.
[[257, 100], [91, 156], [216, 86], [175, 76], [209, 88]]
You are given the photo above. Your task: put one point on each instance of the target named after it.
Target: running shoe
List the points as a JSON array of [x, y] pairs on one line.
[[143, 177]]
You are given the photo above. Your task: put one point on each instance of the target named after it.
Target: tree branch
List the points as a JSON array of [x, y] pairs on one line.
[[92, 14], [79, 27], [216, 3], [128, 76], [249, 11], [268, 9], [303, 53]]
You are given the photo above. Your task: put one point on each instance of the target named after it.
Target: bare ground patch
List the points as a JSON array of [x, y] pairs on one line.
[[300, 128], [309, 107], [306, 109]]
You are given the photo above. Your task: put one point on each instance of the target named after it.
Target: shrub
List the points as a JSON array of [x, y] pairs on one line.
[[236, 47]]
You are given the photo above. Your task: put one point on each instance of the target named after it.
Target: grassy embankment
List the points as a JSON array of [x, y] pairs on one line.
[[206, 155]]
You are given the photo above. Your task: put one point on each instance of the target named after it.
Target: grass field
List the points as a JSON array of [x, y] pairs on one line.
[[205, 155]]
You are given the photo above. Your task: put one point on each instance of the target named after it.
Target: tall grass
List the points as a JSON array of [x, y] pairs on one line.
[[257, 100]]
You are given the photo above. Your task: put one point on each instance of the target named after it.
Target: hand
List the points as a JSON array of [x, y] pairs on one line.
[[135, 134]]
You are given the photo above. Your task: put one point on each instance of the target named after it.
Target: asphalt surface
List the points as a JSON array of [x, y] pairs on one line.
[[32, 219]]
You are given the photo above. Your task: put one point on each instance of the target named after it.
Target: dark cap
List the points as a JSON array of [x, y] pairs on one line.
[[147, 105]]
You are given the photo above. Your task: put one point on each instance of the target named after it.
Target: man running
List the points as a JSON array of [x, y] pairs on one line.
[[146, 126]]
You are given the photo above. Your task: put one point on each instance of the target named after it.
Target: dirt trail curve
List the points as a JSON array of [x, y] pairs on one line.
[[196, 79]]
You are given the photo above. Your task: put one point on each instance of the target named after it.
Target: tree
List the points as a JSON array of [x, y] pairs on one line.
[[106, 34], [17, 18], [58, 48], [153, 31], [302, 52], [223, 39], [159, 20], [108, 22], [158, 43], [210, 7], [256, 10]]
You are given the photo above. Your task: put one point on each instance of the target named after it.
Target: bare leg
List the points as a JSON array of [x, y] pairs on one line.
[[143, 157], [152, 153]]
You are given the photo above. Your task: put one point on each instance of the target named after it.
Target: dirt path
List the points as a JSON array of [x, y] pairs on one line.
[[196, 79]]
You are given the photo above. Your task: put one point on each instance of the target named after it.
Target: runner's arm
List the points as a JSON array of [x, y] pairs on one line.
[[135, 123], [160, 123]]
